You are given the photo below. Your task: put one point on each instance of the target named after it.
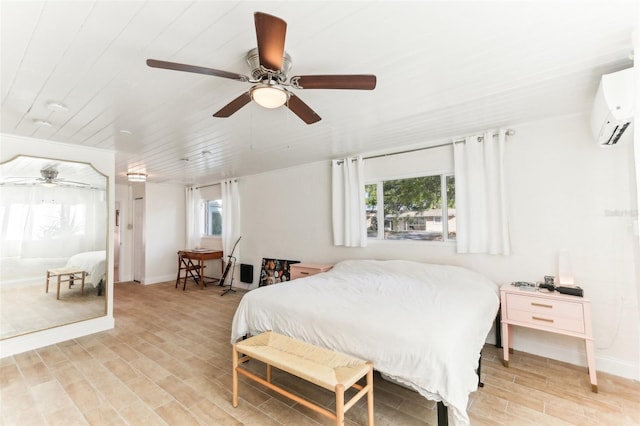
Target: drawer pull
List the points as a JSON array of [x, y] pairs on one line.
[[541, 305], [542, 319], [304, 273]]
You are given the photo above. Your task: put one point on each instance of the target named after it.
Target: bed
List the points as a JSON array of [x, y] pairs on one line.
[[94, 263], [422, 325]]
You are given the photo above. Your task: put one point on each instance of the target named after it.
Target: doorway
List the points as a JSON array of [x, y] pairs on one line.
[[138, 240], [116, 245]]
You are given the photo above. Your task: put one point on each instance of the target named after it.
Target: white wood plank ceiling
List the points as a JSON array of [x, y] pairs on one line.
[[444, 69]]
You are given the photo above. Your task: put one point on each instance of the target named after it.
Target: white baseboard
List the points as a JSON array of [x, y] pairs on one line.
[[39, 339], [158, 279], [573, 354]]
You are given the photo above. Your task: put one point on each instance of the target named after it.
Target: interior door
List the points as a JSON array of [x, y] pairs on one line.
[[116, 246], [138, 240]]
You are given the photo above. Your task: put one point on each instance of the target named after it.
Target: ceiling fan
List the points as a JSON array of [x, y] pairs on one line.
[[269, 67], [49, 178]]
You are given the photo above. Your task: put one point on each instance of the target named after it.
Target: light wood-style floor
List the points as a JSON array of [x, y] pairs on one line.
[[168, 361], [43, 309]]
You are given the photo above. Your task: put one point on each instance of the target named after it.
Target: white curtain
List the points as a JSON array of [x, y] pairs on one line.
[[349, 214], [39, 222], [192, 226], [481, 205], [230, 217]]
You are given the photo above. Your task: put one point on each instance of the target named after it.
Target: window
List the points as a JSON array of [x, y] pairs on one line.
[[212, 212], [58, 220], [44, 221], [419, 208]]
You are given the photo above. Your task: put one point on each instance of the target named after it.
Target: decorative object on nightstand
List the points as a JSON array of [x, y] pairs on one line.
[[301, 270], [547, 311]]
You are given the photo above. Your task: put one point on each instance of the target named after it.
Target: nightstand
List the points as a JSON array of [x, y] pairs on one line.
[[547, 311], [301, 270]]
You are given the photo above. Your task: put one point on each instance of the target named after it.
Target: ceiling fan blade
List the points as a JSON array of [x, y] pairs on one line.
[[17, 181], [71, 182], [337, 81], [234, 105], [302, 110], [270, 33], [195, 69], [17, 178]]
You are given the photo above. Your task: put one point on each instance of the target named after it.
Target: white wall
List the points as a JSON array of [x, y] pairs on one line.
[[103, 161], [164, 229], [565, 193]]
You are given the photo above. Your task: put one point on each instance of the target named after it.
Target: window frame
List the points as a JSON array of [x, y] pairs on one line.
[[444, 218], [205, 217]]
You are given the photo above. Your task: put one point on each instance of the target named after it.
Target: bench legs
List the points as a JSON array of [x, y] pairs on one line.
[[69, 277], [341, 406], [370, 396], [234, 401]]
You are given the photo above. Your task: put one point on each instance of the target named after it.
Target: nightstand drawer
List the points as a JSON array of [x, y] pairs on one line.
[[546, 320], [548, 308], [301, 270]]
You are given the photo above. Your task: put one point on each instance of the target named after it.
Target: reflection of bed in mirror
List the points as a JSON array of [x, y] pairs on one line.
[[94, 264], [50, 220]]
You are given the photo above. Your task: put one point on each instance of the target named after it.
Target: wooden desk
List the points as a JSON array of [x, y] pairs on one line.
[[201, 256]]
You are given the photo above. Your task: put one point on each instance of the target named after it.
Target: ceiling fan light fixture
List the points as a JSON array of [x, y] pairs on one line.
[[269, 96], [136, 177]]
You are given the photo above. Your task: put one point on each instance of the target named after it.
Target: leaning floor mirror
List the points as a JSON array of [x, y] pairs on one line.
[[53, 254]]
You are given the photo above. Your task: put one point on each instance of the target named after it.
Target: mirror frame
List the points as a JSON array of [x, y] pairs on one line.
[[107, 236]]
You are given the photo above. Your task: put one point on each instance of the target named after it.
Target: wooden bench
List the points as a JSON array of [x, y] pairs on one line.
[[330, 370], [64, 275]]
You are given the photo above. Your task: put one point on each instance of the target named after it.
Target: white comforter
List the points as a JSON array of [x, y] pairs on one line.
[[94, 263], [422, 325]]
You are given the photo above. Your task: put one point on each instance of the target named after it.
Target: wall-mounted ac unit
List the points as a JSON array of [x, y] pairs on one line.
[[613, 107]]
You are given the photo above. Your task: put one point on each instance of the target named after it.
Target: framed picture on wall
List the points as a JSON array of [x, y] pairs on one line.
[[275, 271]]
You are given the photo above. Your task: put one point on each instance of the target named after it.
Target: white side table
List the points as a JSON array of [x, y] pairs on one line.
[[547, 311]]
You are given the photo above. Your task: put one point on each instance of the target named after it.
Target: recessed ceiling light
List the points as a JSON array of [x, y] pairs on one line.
[[43, 123], [57, 106]]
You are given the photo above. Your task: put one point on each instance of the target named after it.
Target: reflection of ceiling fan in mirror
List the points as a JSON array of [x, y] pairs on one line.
[[269, 67], [49, 178]]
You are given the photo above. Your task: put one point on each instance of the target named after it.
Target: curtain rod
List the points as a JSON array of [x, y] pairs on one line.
[[509, 132], [212, 184]]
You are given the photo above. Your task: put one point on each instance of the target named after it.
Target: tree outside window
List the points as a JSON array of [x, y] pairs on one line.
[[420, 208], [213, 218]]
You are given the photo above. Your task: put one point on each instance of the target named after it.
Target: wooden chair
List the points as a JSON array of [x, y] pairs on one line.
[[186, 269]]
